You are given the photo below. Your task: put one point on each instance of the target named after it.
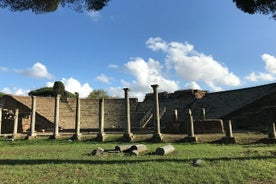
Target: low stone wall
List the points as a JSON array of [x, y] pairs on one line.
[[208, 126]]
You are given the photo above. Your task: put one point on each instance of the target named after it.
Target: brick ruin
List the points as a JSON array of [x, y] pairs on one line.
[[247, 108]]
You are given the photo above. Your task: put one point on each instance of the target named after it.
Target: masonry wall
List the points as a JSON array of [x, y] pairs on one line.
[[234, 104]]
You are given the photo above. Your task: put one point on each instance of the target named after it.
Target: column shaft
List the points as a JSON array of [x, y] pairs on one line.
[[1, 121], [32, 132], [56, 120], [101, 116], [15, 124], [77, 120]]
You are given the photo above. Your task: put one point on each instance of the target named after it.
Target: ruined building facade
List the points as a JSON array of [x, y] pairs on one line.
[[247, 108]]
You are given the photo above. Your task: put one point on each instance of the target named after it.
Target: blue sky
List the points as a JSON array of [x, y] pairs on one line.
[[209, 45]]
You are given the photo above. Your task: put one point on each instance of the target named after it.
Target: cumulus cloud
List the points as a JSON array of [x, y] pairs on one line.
[[182, 62], [270, 67], [191, 65], [102, 78], [146, 74], [192, 85], [37, 71], [270, 63], [16, 91], [72, 85]]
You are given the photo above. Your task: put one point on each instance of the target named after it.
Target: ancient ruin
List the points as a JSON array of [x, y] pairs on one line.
[[186, 112]]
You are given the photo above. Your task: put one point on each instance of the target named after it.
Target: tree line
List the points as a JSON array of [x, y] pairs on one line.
[[266, 7]]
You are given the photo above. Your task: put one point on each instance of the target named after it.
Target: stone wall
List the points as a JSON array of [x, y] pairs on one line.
[[242, 105]]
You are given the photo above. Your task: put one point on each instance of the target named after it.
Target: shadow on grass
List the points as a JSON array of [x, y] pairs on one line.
[[127, 161]]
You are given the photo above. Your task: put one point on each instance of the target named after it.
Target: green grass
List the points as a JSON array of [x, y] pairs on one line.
[[62, 161]]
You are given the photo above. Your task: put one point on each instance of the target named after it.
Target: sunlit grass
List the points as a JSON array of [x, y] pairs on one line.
[[64, 161]]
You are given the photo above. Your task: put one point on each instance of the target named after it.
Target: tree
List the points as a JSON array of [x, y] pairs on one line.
[[265, 7], [46, 6], [58, 88], [99, 93]]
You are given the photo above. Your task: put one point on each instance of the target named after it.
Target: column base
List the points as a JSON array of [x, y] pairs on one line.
[[14, 136], [101, 137], [76, 137], [128, 137], [229, 140], [54, 136], [191, 139], [31, 136], [157, 137]]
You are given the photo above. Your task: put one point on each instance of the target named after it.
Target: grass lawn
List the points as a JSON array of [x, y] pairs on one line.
[[64, 161]]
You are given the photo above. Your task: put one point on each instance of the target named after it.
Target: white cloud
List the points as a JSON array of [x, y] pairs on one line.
[[16, 91], [146, 74], [3, 69], [270, 63], [72, 85], [253, 77], [113, 66], [191, 65], [181, 61], [270, 67], [37, 71], [94, 15], [102, 78], [192, 85]]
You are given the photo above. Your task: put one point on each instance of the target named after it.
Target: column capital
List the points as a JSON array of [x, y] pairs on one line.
[[154, 86], [126, 89], [77, 94]]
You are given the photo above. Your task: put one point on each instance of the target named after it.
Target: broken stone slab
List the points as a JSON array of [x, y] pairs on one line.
[[165, 150], [123, 148], [97, 151]]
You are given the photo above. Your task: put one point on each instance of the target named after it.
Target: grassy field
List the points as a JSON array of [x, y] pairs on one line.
[[64, 161]]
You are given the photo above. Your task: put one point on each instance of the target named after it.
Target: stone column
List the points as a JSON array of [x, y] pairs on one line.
[[77, 134], [101, 135], [272, 131], [128, 136], [190, 128], [15, 124], [203, 114], [229, 138], [157, 137], [174, 115], [1, 121], [56, 120], [32, 132]]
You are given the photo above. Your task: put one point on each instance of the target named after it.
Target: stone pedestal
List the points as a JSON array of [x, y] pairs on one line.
[[157, 137]]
